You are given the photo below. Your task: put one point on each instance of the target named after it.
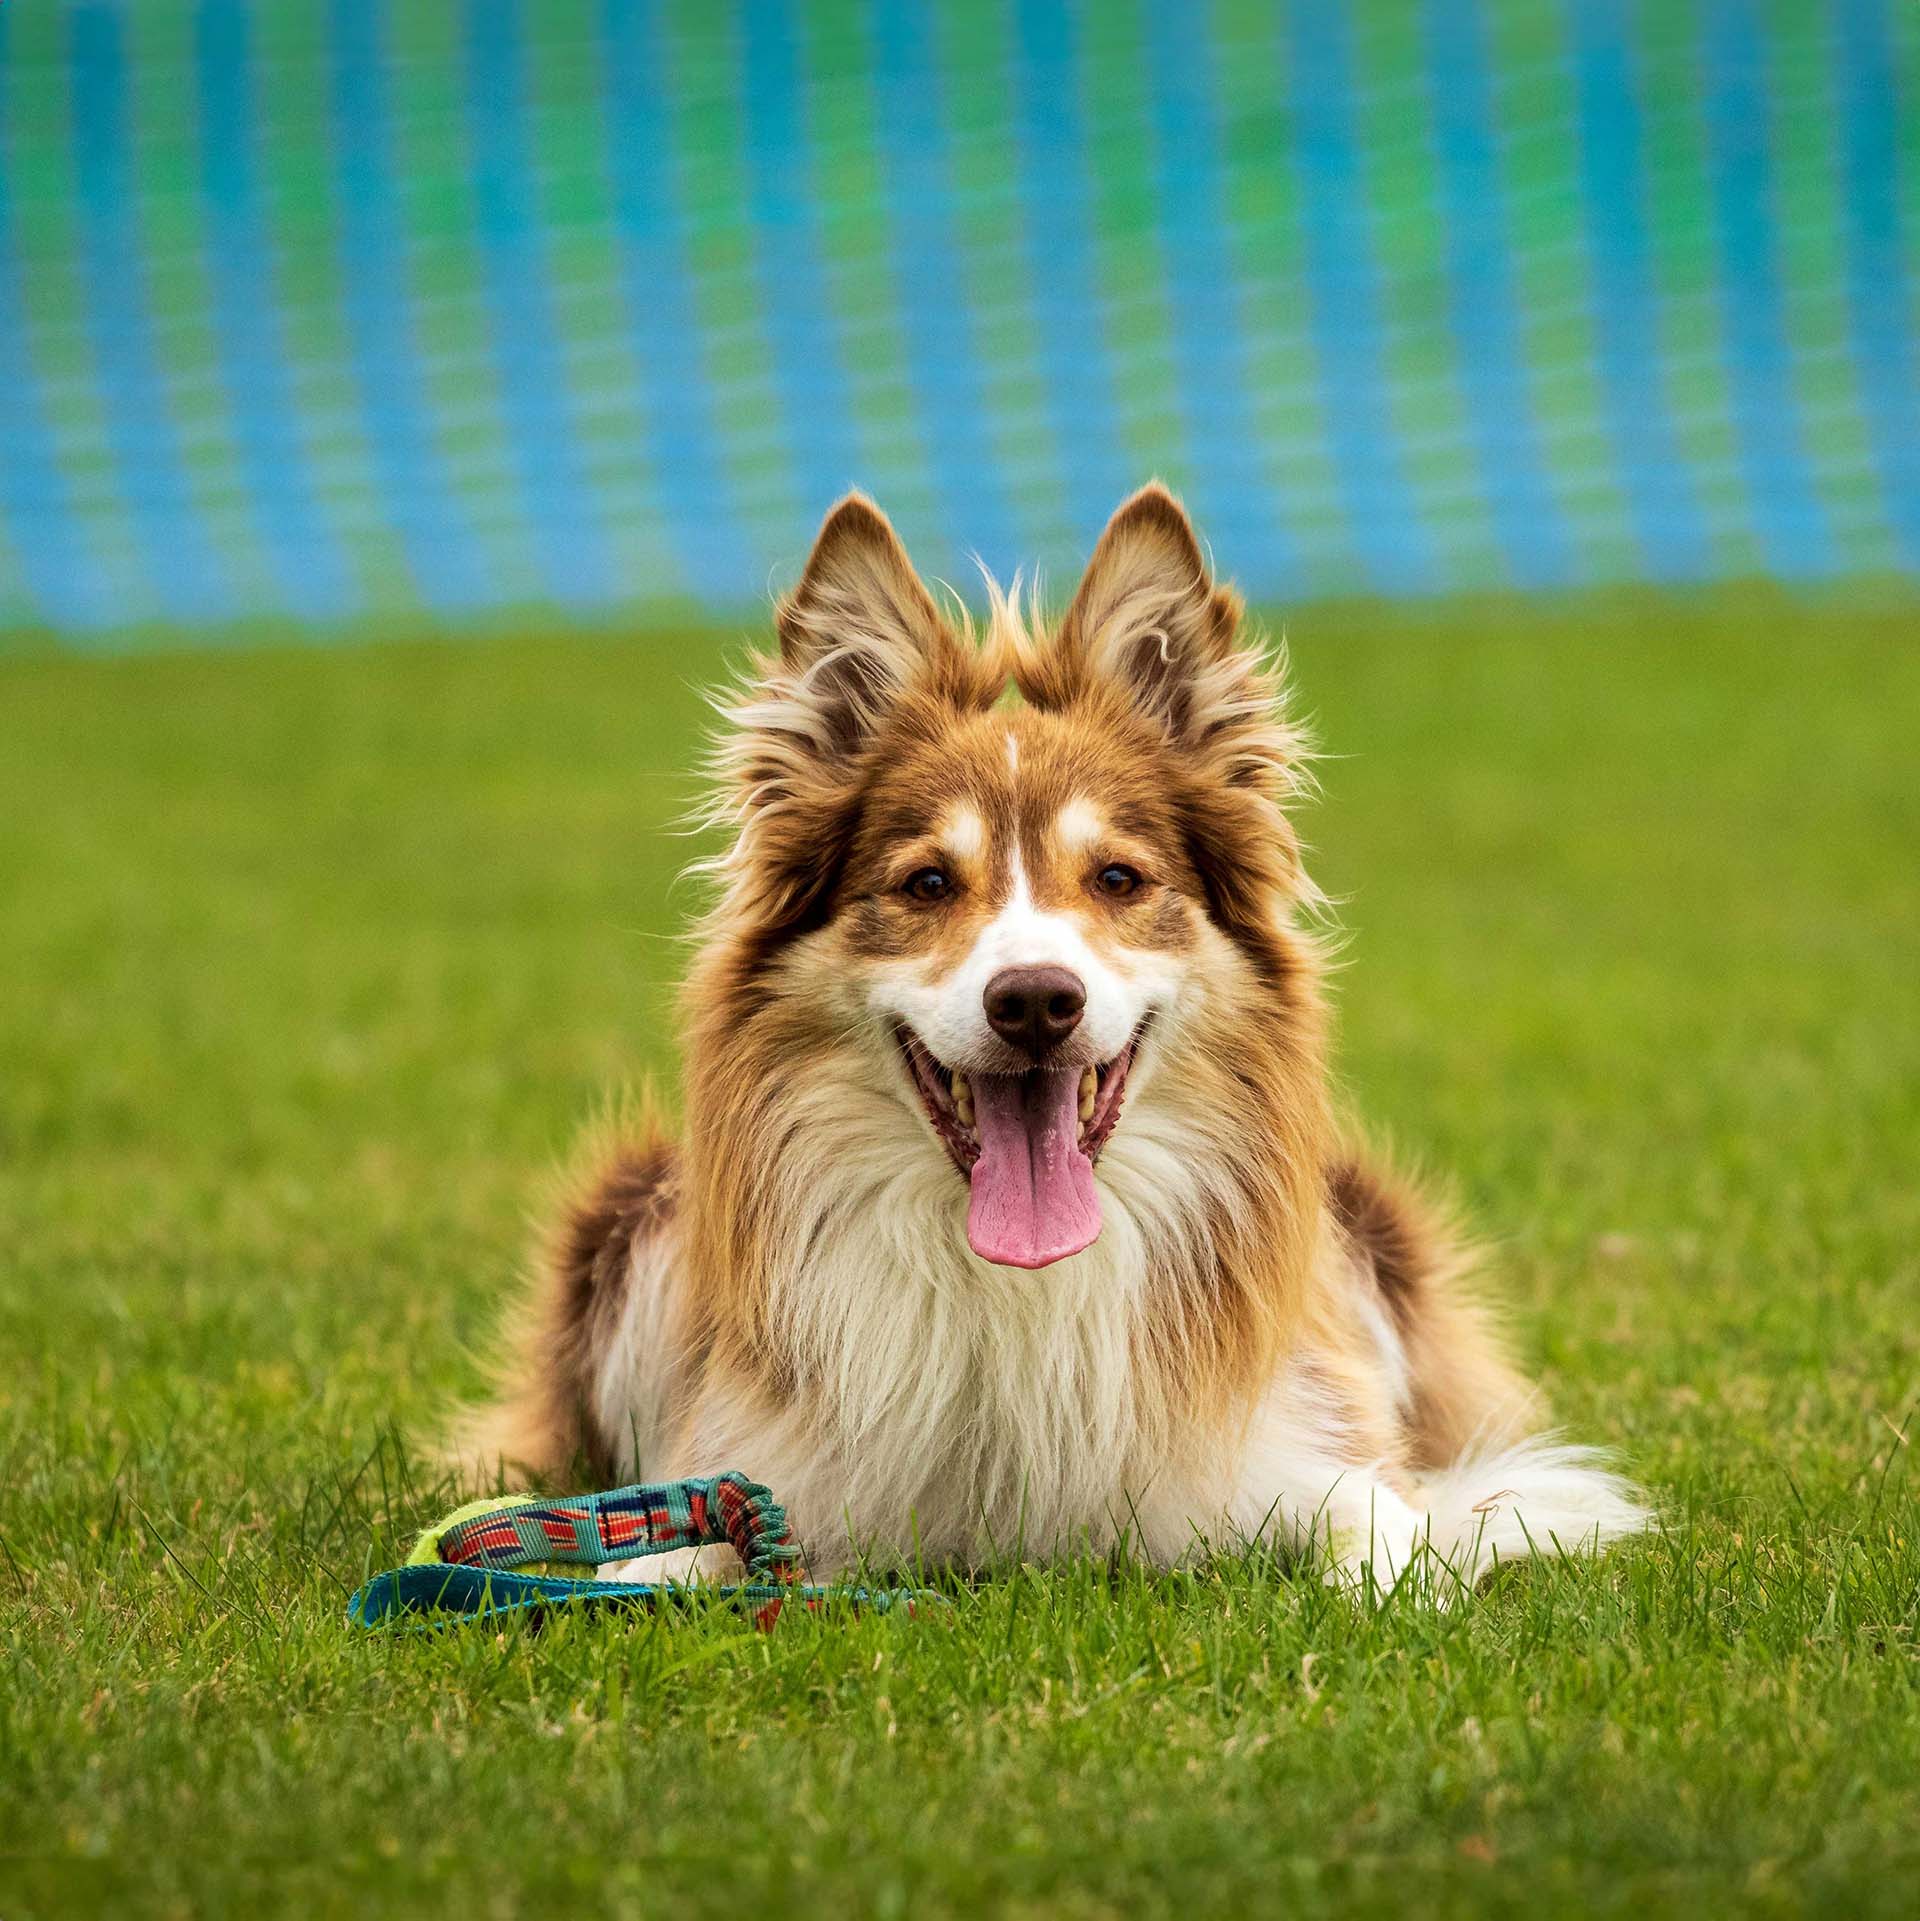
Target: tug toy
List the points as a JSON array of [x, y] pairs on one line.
[[476, 1561]]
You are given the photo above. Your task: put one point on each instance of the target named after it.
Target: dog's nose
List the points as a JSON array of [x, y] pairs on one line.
[[1035, 1008]]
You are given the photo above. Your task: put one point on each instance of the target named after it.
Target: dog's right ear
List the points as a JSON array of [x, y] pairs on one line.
[[862, 646], [860, 631]]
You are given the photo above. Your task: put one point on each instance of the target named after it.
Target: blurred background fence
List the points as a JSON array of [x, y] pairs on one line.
[[335, 309]]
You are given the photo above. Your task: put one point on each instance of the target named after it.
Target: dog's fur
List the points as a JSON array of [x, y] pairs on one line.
[[1271, 1338]]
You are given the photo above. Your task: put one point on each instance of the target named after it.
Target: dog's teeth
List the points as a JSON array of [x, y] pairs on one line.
[[1089, 1087], [963, 1099]]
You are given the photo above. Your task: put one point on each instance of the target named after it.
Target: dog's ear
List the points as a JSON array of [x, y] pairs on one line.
[[1150, 623], [860, 631], [1148, 617], [1151, 632], [862, 648]]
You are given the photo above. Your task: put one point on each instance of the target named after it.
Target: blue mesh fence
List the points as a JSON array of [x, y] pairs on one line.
[[345, 310]]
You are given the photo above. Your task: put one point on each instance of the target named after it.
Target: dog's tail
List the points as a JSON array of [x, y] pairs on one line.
[[1540, 1496]]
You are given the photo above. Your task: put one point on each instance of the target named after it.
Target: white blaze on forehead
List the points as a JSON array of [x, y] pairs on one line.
[[1013, 753], [964, 834], [1077, 826]]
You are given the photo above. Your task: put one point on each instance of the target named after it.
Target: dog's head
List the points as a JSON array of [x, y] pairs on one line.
[[1022, 884]]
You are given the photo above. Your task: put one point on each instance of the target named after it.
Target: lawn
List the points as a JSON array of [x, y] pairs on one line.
[[312, 961]]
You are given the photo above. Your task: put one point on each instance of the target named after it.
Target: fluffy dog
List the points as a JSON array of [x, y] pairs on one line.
[[1009, 1210]]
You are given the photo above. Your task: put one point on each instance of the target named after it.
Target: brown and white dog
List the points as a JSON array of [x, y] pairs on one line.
[[1009, 1213]]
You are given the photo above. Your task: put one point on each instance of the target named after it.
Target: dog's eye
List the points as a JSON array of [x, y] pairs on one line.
[[1117, 880], [928, 884]]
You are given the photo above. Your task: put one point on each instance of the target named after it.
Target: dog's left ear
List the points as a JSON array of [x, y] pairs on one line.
[[1148, 616], [1150, 623], [1151, 630]]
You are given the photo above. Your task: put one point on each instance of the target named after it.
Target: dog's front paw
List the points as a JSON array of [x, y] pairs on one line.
[[1371, 1578], [1385, 1553], [678, 1567]]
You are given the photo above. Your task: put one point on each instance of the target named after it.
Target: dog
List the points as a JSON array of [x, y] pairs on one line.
[[1011, 1214]]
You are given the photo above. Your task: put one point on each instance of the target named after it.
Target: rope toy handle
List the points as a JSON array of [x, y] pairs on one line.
[[475, 1562], [592, 1529]]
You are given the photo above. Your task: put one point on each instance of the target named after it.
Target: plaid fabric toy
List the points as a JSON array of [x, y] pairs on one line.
[[474, 1561]]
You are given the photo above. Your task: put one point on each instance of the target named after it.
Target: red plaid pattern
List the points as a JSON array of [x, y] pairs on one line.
[[596, 1528]]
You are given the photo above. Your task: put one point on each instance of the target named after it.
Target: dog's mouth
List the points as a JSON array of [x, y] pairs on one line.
[[1026, 1144]]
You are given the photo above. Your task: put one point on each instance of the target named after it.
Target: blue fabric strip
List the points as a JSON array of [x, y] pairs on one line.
[[187, 579], [563, 512], [433, 1594], [1659, 491], [1381, 519], [1489, 343], [265, 415]]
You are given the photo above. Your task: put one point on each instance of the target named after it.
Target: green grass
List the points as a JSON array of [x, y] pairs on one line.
[[310, 963]]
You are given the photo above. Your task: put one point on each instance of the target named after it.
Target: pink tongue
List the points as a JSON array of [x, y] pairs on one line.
[[1033, 1195]]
